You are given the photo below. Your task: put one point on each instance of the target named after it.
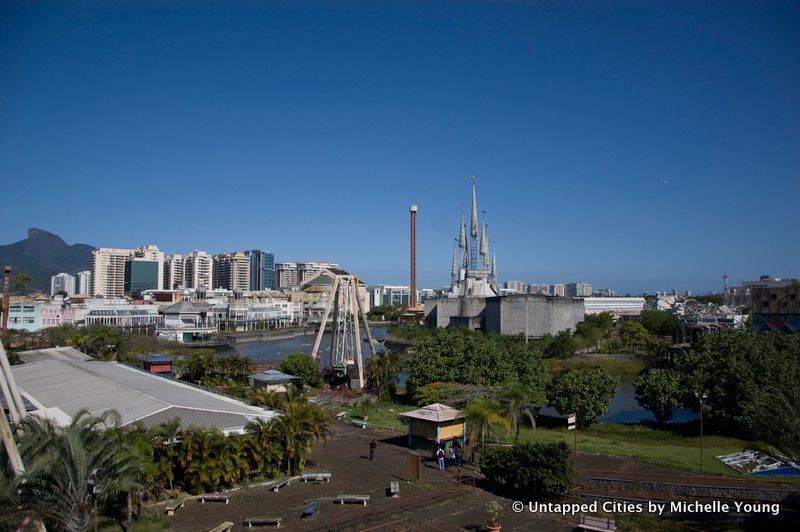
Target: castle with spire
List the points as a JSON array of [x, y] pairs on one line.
[[474, 299], [473, 274]]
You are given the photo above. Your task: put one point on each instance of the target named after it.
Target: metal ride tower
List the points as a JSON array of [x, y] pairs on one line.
[[346, 336]]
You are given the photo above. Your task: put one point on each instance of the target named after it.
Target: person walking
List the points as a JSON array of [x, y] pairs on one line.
[[453, 454], [372, 445], [459, 454], [440, 458]]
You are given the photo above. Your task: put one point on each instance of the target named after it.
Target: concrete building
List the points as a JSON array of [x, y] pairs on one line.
[[63, 282], [557, 290], [775, 304], [198, 270], [26, 315], [262, 269], [108, 271], [538, 289], [141, 275], [604, 292], [84, 285], [173, 272], [291, 275], [231, 271]]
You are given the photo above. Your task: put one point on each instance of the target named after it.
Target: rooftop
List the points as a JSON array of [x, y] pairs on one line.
[[436, 412]]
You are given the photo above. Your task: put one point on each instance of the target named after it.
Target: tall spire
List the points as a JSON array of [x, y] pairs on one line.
[[494, 266], [484, 243], [462, 238], [454, 269], [473, 223]]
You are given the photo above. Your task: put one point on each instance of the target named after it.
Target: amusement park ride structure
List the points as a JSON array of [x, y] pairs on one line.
[[346, 336]]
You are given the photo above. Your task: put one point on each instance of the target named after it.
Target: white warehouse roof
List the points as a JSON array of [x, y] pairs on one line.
[[70, 385]]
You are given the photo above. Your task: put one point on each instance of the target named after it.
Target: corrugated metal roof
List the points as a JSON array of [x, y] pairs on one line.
[[188, 417], [99, 386], [273, 375], [53, 353]]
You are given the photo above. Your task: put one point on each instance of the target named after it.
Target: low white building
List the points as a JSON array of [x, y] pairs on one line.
[[616, 306]]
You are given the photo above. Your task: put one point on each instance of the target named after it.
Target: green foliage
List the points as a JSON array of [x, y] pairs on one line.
[[385, 312], [659, 391], [586, 392], [519, 400], [471, 357], [383, 370], [429, 394], [19, 283], [659, 322], [633, 334], [740, 372], [494, 513], [562, 345], [537, 470], [593, 329], [482, 416], [303, 366]]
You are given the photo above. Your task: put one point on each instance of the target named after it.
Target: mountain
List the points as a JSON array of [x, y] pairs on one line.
[[43, 255]]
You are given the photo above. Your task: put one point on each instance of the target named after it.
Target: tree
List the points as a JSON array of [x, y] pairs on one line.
[[68, 468], [482, 415], [659, 322], [384, 367], [740, 372], [562, 345], [519, 400], [297, 428], [586, 392], [538, 470], [633, 334], [19, 283], [659, 391], [200, 365], [302, 366]]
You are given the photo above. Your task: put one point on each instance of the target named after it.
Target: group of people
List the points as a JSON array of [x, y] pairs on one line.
[[454, 455]]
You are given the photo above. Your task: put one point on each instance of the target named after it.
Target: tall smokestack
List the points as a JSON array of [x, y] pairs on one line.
[[6, 296], [413, 299]]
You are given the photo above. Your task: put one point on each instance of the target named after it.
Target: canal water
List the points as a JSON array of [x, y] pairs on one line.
[[624, 407]]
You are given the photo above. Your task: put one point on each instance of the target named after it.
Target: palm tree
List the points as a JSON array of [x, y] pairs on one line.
[[263, 449], [207, 463], [383, 368], [517, 399], [71, 468], [297, 428], [483, 414]]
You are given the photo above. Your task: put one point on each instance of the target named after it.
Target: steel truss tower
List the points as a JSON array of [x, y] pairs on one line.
[[346, 337]]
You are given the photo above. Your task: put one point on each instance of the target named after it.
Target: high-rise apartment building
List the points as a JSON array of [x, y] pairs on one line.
[[517, 286], [151, 252], [84, 283], [63, 282], [231, 271], [290, 275], [262, 269], [557, 289], [197, 270], [578, 289], [173, 272], [108, 271]]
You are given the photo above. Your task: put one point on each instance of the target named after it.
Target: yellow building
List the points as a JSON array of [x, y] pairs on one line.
[[434, 423]]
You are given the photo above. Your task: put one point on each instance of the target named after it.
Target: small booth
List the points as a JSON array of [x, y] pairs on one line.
[[159, 364], [433, 423], [272, 380]]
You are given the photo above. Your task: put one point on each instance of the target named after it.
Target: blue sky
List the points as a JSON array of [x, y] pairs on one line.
[[641, 146]]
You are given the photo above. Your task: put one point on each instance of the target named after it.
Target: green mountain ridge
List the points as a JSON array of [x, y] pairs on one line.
[[43, 255]]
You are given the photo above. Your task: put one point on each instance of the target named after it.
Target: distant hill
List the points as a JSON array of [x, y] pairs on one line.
[[43, 255]]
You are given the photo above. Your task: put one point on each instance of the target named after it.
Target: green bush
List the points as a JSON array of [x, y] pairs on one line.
[[303, 366], [537, 470]]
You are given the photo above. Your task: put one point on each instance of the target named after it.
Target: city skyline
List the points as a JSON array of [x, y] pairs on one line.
[[624, 145]]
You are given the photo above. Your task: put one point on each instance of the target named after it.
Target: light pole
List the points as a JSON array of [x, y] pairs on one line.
[[701, 397]]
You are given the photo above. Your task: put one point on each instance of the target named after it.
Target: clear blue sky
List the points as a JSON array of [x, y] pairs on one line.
[[631, 145]]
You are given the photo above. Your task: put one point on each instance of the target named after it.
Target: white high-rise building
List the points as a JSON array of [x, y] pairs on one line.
[[197, 270], [84, 283], [173, 272], [232, 271], [63, 282], [108, 271], [151, 252]]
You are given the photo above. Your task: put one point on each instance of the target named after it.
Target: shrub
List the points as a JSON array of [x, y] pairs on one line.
[[538, 470]]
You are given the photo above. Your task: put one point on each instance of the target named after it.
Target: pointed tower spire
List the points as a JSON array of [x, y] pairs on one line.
[[473, 223], [462, 237], [454, 269], [484, 243], [494, 266]]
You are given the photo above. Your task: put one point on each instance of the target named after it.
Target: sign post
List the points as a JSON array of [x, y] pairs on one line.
[[572, 424]]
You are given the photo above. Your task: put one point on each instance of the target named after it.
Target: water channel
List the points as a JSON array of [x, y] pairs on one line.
[[624, 407]]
